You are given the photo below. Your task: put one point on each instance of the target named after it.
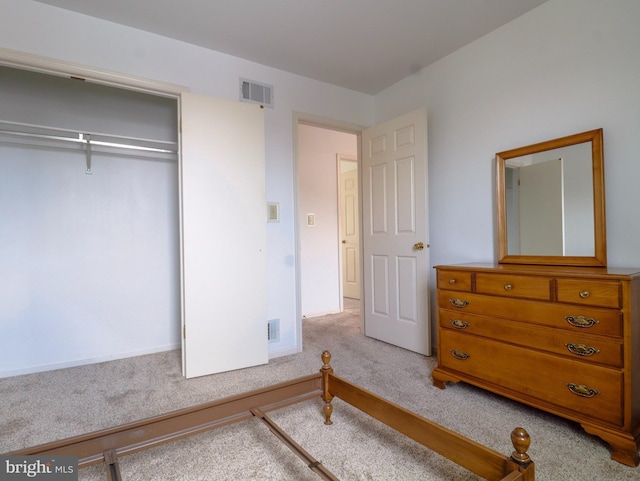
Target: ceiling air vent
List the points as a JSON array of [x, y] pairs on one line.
[[255, 92]]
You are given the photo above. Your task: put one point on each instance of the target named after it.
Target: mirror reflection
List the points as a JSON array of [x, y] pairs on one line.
[[551, 205], [549, 210]]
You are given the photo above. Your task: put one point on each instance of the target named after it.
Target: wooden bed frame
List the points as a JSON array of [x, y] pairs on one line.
[[107, 445]]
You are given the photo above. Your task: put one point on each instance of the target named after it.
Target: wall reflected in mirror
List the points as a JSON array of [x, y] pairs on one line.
[[549, 210]]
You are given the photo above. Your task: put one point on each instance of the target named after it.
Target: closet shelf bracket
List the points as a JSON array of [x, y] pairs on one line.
[[87, 139]]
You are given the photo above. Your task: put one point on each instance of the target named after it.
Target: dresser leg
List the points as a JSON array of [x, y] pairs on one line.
[[625, 457], [440, 378], [624, 447]]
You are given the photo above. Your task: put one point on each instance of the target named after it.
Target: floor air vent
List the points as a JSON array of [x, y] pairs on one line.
[[273, 330], [255, 92]]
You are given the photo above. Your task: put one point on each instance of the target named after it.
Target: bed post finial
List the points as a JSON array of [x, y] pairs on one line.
[[521, 441], [326, 359], [326, 395]]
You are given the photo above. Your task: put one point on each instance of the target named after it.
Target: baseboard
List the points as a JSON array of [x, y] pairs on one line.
[[123, 355], [82, 362]]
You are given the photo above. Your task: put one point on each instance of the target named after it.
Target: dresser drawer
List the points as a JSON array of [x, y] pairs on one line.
[[529, 287], [454, 280], [574, 345], [588, 320], [593, 391], [589, 292]]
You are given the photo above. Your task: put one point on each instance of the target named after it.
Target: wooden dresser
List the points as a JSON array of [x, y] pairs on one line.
[[562, 339]]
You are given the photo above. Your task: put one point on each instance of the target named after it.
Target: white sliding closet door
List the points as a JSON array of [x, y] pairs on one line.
[[223, 235]]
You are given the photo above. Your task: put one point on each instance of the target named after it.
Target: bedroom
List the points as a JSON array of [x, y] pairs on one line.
[[560, 69]]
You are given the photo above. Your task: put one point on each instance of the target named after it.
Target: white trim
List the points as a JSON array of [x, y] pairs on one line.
[[61, 68]]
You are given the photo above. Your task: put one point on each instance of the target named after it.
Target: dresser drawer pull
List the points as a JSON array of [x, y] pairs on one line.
[[452, 281], [460, 303], [461, 355], [582, 349], [582, 390], [584, 294], [459, 323], [508, 287], [581, 321]]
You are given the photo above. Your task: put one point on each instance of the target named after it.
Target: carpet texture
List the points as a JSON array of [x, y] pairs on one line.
[[43, 407]]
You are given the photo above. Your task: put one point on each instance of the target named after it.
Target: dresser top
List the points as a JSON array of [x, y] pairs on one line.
[[547, 270]]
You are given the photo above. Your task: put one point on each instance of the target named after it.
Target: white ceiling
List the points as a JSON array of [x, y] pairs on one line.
[[363, 45]]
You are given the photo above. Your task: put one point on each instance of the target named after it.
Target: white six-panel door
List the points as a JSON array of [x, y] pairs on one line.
[[349, 230], [223, 235], [396, 269]]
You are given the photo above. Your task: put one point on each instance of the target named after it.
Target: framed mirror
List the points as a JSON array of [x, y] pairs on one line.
[[551, 202]]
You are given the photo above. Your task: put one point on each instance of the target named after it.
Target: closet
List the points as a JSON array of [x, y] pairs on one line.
[[89, 208], [93, 196]]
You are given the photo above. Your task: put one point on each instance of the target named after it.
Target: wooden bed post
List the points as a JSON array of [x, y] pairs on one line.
[[326, 395], [521, 442]]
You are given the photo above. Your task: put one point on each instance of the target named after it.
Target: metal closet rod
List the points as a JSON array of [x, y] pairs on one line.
[[120, 141], [88, 139]]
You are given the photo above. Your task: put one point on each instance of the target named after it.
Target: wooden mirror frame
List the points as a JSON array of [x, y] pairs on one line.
[[600, 238]]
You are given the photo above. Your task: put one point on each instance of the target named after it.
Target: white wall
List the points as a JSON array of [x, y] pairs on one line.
[[565, 67], [318, 194], [51, 32], [80, 276]]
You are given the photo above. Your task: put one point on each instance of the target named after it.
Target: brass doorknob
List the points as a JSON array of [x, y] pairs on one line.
[[344, 241], [418, 246]]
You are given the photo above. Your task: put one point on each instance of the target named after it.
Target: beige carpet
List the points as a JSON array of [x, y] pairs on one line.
[[43, 407]]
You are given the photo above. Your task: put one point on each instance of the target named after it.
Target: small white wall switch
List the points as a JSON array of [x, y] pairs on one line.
[[273, 212], [311, 220]]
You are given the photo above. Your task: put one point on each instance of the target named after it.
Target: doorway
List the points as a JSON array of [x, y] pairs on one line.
[[393, 166], [318, 216]]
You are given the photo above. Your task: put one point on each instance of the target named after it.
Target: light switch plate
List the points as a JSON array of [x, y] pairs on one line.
[[311, 220], [273, 212]]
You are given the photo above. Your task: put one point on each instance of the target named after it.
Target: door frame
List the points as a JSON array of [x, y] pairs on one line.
[[301, 118]]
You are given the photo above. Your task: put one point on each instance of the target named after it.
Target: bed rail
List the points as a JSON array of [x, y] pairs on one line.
[[107, 445], [475, 457]]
